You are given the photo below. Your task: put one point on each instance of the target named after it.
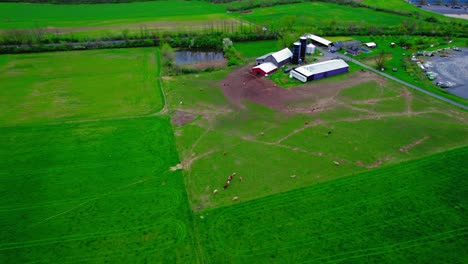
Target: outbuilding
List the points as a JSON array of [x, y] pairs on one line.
[[371, 45], [264, 68], [278, 58], [320, 70]]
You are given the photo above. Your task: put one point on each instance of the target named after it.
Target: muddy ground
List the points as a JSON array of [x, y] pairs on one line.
[[242, 84]]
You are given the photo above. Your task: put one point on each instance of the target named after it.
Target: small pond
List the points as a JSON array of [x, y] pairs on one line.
[[188, 57]]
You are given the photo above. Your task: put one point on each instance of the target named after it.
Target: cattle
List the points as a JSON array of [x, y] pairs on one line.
[[215, 191], [235, 198], [241, 179], [226, 185]]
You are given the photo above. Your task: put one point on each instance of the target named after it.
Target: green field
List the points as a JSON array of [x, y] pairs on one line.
[[413, 212], [93, 192], [323, 13], [88, 140], [76, 85], [15, 15]]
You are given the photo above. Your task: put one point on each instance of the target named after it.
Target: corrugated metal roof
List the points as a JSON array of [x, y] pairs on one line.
[[282, 55], [318, 39], [371, 44], [266, 67], [264, 56], [325, 66]]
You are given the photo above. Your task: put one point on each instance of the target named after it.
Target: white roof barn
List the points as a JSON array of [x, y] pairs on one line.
[[320, 70], [282, 55], [278, 58], [318, 39], [264, 68]]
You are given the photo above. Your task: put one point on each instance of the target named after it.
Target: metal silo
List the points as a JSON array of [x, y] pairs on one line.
[[296, 52], [303, 42]]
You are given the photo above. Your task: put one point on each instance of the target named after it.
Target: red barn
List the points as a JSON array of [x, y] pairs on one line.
[[264, 68]]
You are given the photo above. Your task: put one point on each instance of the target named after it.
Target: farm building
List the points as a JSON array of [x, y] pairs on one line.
[[262, 59], [371, 45], [344, 44], [310, 49], [354, 50], [278, 58], [320, 70], [318, 40], [264, 68]]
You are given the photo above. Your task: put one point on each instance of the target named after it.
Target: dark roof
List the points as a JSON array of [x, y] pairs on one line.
[[337, 44], [351, 43]]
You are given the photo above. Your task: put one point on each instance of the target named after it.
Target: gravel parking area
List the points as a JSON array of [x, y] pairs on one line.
[[448, 11], [453, 69]]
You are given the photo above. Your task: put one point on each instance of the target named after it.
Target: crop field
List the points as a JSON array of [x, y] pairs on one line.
[[15, 15], [410, 212], [93, 192], [322, 13], [52, 87]]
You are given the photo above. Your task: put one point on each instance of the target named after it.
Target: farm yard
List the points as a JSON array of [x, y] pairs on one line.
[[130, 155]]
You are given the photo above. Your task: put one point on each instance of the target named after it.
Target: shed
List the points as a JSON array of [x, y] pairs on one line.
[[264, 68], [310, 49], [320, 70], [371, 45]]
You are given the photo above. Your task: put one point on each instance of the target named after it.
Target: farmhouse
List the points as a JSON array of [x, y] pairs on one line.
[[354, 50], [278, 58], [320, 70], [264, 68], [344, 44]]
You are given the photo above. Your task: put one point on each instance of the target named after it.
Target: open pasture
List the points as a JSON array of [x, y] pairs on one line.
[[17, 15], [93, 192], [328, 131], [410, 212], [310, 14], [79, 85]]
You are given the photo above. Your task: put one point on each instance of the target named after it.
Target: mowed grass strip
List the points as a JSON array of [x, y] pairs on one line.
[[410, 212], [79, 85], [93, 192], [19, 15]]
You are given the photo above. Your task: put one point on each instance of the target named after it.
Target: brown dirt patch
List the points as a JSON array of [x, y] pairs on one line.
[[180, 118], [372, 165], [242, 85], [406, 148], [207, 64]]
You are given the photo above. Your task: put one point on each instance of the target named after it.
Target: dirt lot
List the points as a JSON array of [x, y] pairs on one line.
[[242, 85]]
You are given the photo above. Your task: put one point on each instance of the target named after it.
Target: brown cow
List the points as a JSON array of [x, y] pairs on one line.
[[226, 185]]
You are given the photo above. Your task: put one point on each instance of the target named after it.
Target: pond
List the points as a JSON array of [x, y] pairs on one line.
[[189, 57]]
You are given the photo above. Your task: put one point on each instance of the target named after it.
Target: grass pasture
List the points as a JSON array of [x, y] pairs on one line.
[[20, 15], [410, 212], [51, 87], [386, 124], [323, 13], [93, 192]]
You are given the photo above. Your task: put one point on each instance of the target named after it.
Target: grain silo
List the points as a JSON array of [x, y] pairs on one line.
[[296, 52], [303, 41]]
